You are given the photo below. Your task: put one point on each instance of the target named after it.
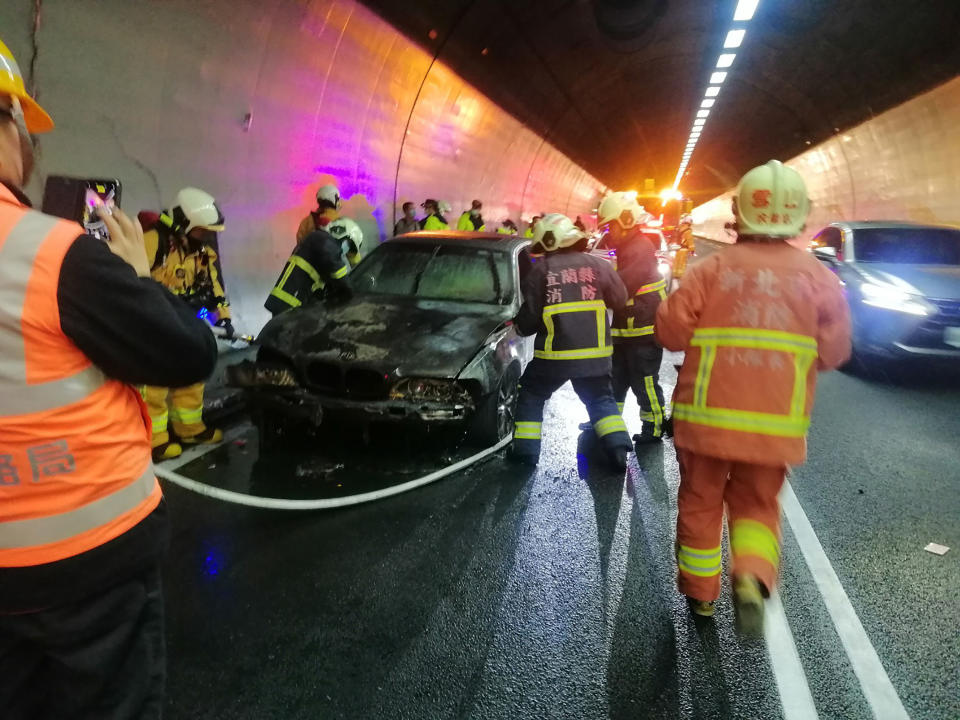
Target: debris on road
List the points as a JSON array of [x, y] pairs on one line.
[[936, 549]]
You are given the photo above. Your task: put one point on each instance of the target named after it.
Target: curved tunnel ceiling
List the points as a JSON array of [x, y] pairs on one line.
[[615, 84]]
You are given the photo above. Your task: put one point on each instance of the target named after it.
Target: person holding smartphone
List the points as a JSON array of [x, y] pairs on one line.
[[83, 523]]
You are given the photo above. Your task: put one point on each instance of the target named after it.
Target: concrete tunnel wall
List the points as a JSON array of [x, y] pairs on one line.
[[901, 165], [156, 94]]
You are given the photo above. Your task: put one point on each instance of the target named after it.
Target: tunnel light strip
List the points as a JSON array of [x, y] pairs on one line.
[[734, 38]]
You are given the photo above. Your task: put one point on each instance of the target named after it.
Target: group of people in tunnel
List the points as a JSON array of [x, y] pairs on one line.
[[90, 329]]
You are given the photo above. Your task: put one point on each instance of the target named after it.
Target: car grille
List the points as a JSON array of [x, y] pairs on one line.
[[355, 383], [930, 333]]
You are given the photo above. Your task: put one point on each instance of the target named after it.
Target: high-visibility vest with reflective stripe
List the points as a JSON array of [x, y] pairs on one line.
[[637, 320], [575, 331], [75, 468], [787, 354]]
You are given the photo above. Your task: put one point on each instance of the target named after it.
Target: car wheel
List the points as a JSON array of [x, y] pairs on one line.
[[495, 414]]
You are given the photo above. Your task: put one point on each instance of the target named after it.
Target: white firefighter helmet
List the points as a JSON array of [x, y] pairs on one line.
[[622, 207], [347, 232], [771, 200], [445, 206], [195, 208], [555, 231], [686, 220], [330, 194]]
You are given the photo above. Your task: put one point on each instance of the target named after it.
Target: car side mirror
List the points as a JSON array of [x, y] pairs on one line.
[[827, 254]]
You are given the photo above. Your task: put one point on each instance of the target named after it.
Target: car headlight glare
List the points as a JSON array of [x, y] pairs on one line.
[[892, 298]]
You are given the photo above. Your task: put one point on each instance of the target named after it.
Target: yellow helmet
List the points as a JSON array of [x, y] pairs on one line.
[[11, 83], [771, 200]]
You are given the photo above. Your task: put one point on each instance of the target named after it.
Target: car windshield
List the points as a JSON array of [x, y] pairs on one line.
[[436, 272], [908, 246]]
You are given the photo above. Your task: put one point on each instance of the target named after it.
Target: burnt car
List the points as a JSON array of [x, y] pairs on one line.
[[427, 340]]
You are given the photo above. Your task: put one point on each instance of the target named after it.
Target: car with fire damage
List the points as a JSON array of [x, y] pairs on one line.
[[426, 340]]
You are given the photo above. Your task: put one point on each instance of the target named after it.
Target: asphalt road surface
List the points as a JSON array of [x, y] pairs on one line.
[[505, 593]]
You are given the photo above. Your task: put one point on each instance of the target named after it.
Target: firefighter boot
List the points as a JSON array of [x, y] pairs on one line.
[[700, 607], [748, 602], [166, 451], [210, 436]]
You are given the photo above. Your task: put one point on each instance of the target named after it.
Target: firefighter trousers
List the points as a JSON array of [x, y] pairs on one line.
[[753, 517], [185, 413], [594, 392], [101, 657], [636, 366]]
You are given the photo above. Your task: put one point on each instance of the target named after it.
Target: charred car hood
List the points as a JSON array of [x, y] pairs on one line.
[[402, 337]]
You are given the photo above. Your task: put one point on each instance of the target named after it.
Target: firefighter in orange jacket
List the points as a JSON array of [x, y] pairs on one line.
[[757, 321], [687, 247], [83, 524]]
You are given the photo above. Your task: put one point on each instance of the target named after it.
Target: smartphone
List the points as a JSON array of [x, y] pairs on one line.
[[79, 199]]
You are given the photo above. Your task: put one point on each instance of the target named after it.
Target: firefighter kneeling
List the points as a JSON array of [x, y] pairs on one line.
[[757, 321], [565, 301]]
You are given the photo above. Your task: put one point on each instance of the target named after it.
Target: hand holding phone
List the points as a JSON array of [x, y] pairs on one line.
[[125, 238]]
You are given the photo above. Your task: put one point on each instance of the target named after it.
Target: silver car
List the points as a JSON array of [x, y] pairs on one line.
[[902, 282]]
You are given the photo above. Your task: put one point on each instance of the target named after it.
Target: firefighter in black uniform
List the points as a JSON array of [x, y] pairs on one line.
[[565, 302], [316, 266], [636, 355]]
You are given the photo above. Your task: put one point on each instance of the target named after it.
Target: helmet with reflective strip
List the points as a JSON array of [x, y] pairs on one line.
[[346, 229], [622, 207], [11, 83], [330, 194], [555, 231], [771, 200], [196, 209]]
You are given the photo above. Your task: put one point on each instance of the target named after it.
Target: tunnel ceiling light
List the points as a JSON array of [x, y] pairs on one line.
[[702, 113], [708, 103], [726, 60], [699, 122], [734, 38], [745, 10], [717, 78], [712, 91]]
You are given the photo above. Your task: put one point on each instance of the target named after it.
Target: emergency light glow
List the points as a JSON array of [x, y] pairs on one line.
[[712, 91], [726, 60], [708, 103], [745, 10], [734, 38], [717, 78]]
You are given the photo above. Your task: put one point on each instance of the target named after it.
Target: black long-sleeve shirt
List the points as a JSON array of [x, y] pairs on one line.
[[136, 332]]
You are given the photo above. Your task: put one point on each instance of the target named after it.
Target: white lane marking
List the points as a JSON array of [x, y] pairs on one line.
[[795, 697], [876, 685], [198, 451], [323, 503]]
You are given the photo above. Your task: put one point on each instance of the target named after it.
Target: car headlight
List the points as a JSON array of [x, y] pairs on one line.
[[892, 298], [430, 390], [255, 375]]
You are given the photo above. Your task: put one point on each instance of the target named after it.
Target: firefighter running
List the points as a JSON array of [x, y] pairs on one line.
[[636, 355], [757, 321], [182, 249], [565, 302]]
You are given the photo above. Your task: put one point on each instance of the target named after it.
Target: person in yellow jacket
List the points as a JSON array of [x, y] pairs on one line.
[[507, 227], [433, 220], [328, 210], [472, 220], [181, 247], [528, 233], [687, 246]]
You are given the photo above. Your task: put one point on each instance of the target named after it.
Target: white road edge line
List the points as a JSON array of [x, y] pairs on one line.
[[795, 697], [323, 503], [874, 681]]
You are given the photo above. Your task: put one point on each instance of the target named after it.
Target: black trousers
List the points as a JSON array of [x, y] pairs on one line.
[[636, 366], [103, 657], [594, 392]]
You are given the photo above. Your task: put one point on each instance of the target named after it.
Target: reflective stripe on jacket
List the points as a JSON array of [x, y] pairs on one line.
[[566, 297], [756, 321], [75, 468], [637, 267], [317, 260]]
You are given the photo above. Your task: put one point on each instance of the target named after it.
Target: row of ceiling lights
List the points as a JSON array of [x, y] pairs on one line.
[[743, 13]]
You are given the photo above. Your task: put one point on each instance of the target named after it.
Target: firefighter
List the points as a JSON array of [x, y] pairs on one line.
[[687, 246], [471, 219], [757, 322], [351, 239], [433, 220], [82, 517], [181, 249], [317, 267], [636, 355], [565, 302], [328, 210]]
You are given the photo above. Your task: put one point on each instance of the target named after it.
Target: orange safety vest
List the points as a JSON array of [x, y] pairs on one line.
[[75, 468]]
